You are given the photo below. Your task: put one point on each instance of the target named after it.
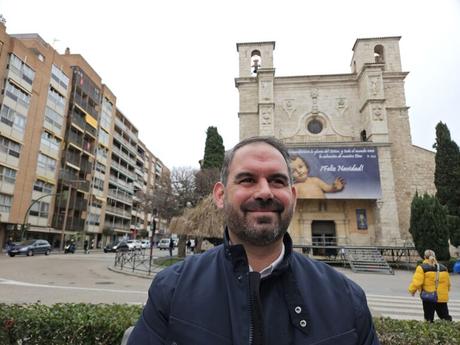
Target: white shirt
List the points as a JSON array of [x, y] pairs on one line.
[[269, 269]]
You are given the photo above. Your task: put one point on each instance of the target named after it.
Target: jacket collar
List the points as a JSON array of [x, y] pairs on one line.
[[237, 255]]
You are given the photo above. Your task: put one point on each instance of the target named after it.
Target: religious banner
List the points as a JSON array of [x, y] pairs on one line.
[[336, 172]]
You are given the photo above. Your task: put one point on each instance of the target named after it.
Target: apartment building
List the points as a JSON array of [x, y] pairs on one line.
[[70, 161]]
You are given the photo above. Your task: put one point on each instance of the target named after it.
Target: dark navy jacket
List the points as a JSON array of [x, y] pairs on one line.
[[206, 300]]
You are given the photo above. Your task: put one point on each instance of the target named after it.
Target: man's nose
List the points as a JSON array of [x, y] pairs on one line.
[[263, 190]]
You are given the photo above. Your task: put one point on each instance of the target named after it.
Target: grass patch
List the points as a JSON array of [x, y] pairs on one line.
[[166, 261]]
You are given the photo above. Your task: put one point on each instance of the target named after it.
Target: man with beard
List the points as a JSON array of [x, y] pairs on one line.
[[254, 289]]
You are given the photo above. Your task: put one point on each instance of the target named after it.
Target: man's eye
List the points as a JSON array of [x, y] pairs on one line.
[[279, 182], [247, 180]]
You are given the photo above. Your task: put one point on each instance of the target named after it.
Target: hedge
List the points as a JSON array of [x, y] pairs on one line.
[[104, 324], [85, 324]]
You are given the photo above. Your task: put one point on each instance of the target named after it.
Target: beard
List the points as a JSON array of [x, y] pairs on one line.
[[258, 230]]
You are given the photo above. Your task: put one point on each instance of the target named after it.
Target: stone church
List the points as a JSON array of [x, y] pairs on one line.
[[355, 167]]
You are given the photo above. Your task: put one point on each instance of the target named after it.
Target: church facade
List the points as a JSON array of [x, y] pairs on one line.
[[356, 170]]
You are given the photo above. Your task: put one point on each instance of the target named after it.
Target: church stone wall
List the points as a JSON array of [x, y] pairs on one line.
[[364, 108]]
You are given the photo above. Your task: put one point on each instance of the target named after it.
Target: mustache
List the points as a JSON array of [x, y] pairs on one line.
[[271, 205]]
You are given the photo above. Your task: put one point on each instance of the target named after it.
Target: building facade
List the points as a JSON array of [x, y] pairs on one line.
[[349, 134], [71, 162]]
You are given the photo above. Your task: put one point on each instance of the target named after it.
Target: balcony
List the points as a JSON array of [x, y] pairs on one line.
[[123, 155], [124, 170], [119, 195], [86, 166], [78, 120], [119, 212], [75, 139], [123, 184], [72, 158]]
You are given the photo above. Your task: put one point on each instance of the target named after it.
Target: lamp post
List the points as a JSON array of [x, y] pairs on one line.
[[24, 222], [153, 228], [64, 223]]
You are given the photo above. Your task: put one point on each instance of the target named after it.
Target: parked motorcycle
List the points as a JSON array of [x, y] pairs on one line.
[[70, 248]]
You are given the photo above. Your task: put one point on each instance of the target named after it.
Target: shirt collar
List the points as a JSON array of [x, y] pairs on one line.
[[237, 255], [269, 269]]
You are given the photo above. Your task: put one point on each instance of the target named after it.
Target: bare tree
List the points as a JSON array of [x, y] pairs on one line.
[[183, 185]]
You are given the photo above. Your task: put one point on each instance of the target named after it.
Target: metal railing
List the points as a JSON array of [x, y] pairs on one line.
[[138, 260]]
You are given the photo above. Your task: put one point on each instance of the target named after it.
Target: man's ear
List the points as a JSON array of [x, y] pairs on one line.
[[218, 194], [294, 195]]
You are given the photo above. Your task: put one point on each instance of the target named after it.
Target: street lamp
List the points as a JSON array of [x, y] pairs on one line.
[[24, 222]]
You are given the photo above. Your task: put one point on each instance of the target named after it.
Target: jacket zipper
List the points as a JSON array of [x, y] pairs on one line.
[[256, 331]]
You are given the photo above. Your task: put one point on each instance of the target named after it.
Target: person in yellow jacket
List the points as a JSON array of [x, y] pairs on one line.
[[425, 279]]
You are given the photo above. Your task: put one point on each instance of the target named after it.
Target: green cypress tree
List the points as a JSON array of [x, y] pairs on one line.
[[454, 230], [429, 226], [447, 178], [214, 149], [447, 171]]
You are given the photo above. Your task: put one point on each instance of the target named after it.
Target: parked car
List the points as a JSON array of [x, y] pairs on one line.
[[145, 244], [116, 246], [30, 247], [134, 244], [164, 243]]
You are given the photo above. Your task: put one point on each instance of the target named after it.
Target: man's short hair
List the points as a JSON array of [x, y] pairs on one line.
[[278, 145]]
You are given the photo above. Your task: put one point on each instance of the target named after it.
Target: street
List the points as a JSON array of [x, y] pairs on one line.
[[69, 278], [85, 278]]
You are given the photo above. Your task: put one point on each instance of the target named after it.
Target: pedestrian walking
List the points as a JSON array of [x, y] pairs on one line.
[[85, 247], [9, 244], [433, 281], [171, 246], [254, 288]]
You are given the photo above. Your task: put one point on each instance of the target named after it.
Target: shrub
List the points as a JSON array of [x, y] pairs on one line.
[[398, 332], [104, 324], [85, 324]]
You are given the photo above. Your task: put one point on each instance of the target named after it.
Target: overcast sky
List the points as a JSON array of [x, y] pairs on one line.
[[172, 64]]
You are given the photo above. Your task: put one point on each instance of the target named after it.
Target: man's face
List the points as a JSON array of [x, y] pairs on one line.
[[258, 200], [299, 170]]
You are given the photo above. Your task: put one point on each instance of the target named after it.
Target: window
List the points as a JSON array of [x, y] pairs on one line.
[[40, 209], [19, 67], [106, 121], [98, 184], [100, 167], [315, 126], [104, 137], [5, 202], [7, 174], [102, 152], [10, 147], [41, 186], [17, 95], [158, 168], [46, 163], [12, 118], [59, 77], [256, 61], [54, 118], [93, 219], [378, 54], [50, 141], [56, 99]]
